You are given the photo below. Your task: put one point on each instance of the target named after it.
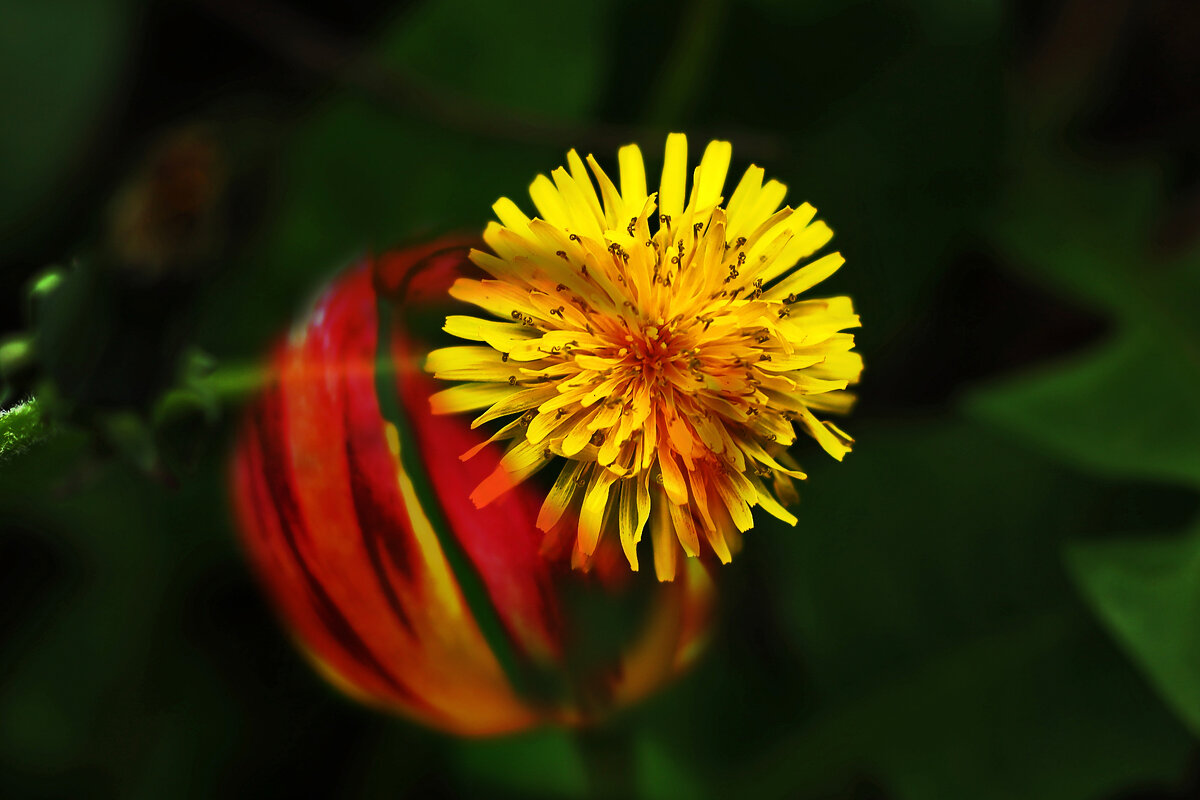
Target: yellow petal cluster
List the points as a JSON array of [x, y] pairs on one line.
[[661, 343]]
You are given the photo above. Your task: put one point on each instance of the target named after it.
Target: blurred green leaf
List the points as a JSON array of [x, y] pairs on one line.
[[60, 60], [143, 662], [1092, 412], [68, 695], [539, 56], [961, 532], [1040, 709], [661, 775], [543, 763], [1147, 592], [1088, 231], [1077, 228], [940, 648], [1125, 409]]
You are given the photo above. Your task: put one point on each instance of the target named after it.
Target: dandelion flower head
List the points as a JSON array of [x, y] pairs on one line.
[[661, 343]]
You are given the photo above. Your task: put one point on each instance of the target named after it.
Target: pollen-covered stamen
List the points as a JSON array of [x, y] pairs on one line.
[[661, 343]]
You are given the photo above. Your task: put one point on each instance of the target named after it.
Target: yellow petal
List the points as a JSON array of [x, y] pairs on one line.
[[633, 176], [631, 530], [592, 513], [520, 462], [685, 528], [558, 499], [469, 364], [580, 176], [802, 245], [825, 437], [503, 336], [746, 193], [717, 537], [738, 510], [577, 438], [710, 175], [805, 278], [614, 206], [469, 397], [832, 402], [515, 403], [511, 216], [674, 176], [585, 220], [772, 506], [665, 543], [549, 202], [765, 204], [672, 481]]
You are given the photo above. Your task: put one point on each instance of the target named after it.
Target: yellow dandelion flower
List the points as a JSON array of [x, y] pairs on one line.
[[658, 343]]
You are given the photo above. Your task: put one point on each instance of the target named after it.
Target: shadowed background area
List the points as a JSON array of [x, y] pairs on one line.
[[996, 595]]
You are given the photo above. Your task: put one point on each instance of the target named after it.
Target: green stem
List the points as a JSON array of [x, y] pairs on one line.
[[236, 381]]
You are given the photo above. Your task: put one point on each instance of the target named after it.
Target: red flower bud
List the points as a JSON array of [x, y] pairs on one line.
[[354, 507]]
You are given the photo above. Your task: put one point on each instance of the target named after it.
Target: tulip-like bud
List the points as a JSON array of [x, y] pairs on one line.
[[355, 509]]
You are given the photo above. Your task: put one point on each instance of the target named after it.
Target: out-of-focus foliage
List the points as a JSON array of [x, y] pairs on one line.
[[996, 595], [1124, 409], [357, 174], [60, 62]]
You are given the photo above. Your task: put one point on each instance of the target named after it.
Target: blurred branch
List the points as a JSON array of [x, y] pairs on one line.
[[304, 44]]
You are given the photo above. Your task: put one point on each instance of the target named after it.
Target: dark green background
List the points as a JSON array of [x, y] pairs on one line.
[[997, 595]]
